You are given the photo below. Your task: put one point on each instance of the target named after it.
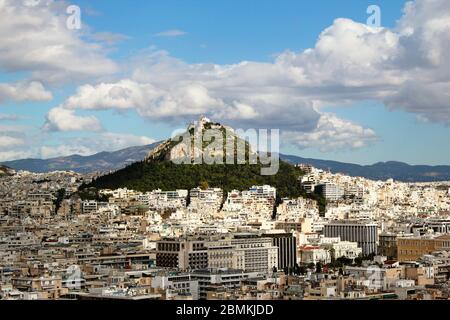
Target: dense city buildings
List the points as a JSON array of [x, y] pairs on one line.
[[373, 240]]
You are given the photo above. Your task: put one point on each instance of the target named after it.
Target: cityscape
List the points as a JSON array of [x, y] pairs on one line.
[[372, 240], [152, 154]]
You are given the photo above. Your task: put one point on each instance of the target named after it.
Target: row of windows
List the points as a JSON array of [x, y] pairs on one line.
[[415, 243], [168, 246], [410, 252]]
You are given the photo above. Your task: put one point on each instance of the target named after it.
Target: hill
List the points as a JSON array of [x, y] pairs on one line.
[[5, 171], [148, 176], [158, 171]]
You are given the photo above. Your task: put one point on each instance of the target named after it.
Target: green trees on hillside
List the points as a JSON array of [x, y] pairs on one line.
[[148, 176]]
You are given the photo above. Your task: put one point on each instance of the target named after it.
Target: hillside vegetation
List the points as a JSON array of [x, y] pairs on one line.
[[148, 176]]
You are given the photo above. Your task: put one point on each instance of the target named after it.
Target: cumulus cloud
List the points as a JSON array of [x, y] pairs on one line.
[[47, 152], [332, 134], [429, 101], [147, 99], [7, 141], [34, 38], [59, 119], [406, 67], [24, 91]]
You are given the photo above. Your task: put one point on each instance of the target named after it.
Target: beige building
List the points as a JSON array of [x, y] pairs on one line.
[[48, 287], [411, 249]]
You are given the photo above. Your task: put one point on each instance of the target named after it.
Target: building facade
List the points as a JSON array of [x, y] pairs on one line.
[[365, 234]]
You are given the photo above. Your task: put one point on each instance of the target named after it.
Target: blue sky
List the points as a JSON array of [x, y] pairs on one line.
[[225, 33], [233, 30]]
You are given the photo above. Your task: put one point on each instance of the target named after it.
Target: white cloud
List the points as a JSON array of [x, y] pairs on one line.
[[8, 142], [47, 152], [238, 110], [115, 141], [24, 91], [350, 62], [429, 101], [59, 119], [17, 141], [35, 38], [149, 100], [8, 155], [425, 36], [171, 33], [332, 134]]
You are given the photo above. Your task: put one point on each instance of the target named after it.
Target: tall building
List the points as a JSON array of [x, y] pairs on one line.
[[365, 234], [254, 253], [287, 248]]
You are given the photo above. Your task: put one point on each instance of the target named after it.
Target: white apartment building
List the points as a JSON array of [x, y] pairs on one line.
[[90, 206], [313, 254], [259, 200], [330, 191], [243, 251], [160, 200], [340, 248], [210, 198]]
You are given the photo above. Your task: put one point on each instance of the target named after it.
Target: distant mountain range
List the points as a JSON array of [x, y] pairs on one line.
[[101, 162], [380, 171], [111, 161]]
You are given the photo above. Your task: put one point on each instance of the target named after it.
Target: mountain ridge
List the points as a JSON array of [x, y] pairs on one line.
[[99, 162], [110, 161], [396, 170]]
